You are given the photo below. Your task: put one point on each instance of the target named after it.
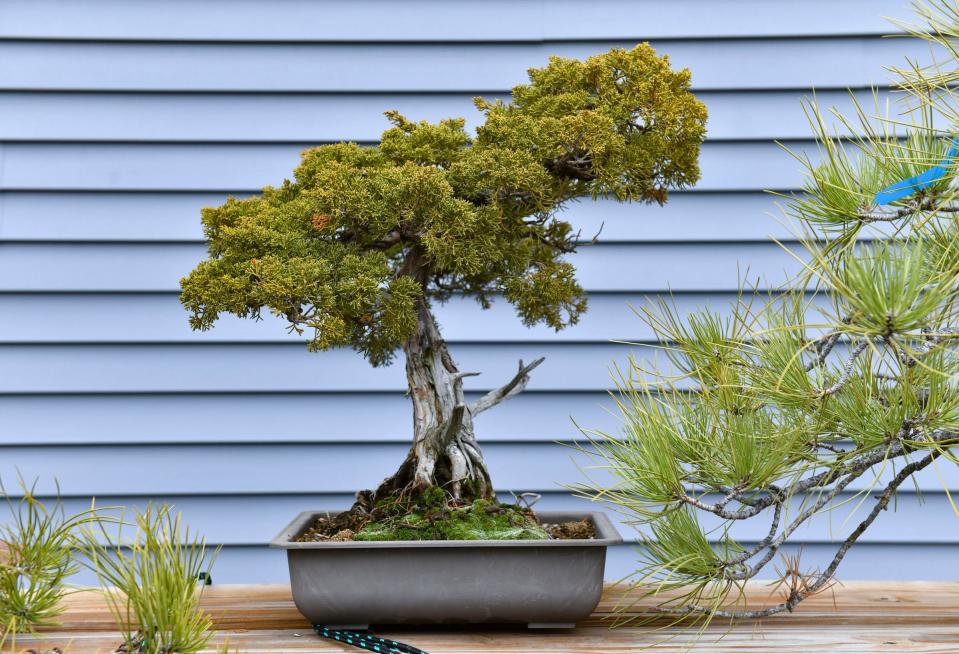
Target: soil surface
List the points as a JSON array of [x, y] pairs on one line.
[[432, 516]]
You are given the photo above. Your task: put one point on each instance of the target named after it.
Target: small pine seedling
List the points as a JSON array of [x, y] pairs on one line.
[[37, 558], [150, 583]]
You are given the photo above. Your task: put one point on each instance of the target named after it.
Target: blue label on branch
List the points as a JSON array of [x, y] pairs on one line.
[[907, 187]]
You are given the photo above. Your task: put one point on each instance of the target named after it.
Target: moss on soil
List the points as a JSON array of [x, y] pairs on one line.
[[481, 520], [431, 516]]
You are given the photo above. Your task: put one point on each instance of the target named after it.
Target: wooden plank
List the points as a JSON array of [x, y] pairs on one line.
[[856, 617], [591, 640]]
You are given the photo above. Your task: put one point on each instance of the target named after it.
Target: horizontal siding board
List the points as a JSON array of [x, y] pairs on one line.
[[451, 67], [254, 520], [138, 217], [250, 418], [872, 561], [289, 367], [145, 117], [160, 318], [641, 268], [437, 20], [751, 166], [275, 468]]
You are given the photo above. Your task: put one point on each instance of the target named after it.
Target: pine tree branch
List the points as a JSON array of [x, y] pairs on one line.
[[902, 212], [822, 579], [825, 344], [761, 545], [846, 371], [892, 449]]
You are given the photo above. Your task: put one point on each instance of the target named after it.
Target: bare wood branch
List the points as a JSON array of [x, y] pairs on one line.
[[512, 388], [452, 426]]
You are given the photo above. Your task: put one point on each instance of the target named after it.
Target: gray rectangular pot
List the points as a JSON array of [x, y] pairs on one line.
[[543, 583]]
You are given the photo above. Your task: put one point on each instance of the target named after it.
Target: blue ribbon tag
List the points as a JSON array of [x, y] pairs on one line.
[[925, 179]]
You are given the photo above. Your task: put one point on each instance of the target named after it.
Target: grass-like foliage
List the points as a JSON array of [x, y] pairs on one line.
[[151, 582], [833, 389], [38, 543]]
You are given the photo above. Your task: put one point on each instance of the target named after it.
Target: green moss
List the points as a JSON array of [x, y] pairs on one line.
[[433, 520]]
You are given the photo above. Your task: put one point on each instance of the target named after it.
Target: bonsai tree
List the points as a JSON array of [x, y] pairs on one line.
[[836, 390], [357, 248]]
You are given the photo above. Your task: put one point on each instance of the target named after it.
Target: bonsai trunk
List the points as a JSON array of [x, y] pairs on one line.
[[444, 451]]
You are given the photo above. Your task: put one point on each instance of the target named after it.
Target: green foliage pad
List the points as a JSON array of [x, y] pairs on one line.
[[346, 248]]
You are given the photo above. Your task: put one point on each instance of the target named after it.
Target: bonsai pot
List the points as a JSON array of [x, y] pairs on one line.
[[543, 583]]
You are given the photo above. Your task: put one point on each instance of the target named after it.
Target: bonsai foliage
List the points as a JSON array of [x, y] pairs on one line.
[[838, 389], [151, 583], [358, 247]]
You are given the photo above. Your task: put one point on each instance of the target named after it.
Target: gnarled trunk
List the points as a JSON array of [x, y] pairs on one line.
[[444, 451]]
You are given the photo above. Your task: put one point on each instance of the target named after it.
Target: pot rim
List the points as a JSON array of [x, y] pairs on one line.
[[606, 534]]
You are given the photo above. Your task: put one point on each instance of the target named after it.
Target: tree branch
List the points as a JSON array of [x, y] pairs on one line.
[[796, 596], [846, 370], [391, 239], [513, 387], [902, 212], [452, 426], [761, 545], [892, 449], [824, 345]]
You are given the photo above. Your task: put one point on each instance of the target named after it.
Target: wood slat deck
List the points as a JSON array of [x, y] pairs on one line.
[[855, 617]]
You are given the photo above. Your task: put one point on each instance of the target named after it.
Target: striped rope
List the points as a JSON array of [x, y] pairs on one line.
[[366, 640]]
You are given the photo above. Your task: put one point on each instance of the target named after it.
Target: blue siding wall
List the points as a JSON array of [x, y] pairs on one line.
[[119, 120]]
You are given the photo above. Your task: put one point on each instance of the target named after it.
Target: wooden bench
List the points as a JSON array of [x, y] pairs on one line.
[[854, 617]]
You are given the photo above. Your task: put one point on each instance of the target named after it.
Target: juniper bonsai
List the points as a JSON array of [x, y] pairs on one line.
[[837, 389], [361, 244]]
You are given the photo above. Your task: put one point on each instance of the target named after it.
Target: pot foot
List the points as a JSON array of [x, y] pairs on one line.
[[348, 627], [550, 625]]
